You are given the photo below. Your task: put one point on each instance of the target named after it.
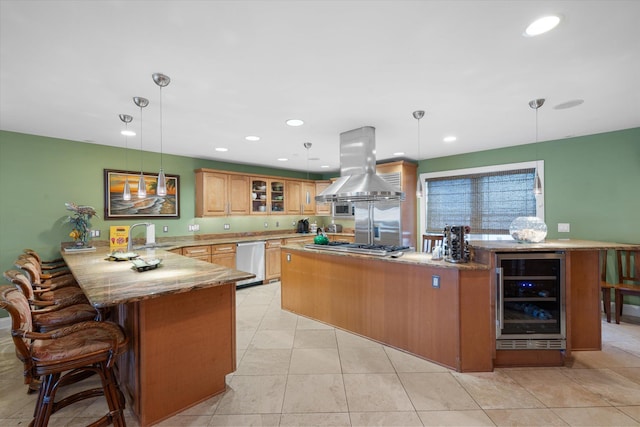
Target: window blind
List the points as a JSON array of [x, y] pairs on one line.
[[487, 202]]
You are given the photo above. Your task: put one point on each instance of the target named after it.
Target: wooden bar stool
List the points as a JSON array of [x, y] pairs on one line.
[[66, 356], [430, 241], [629, 277]]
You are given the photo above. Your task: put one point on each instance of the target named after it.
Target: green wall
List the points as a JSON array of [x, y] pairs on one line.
[[38, 175], [591, 182]]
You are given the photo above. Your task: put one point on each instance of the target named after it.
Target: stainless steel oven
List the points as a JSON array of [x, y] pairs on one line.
[[530, 306], [343, 209]]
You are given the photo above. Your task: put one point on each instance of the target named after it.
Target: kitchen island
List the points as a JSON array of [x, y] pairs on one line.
[[180, 319], [440, 311]]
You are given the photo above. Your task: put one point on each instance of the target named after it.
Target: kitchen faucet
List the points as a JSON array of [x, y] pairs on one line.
[[150, 234]]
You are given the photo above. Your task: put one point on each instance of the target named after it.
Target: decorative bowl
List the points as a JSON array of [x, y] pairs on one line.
[[528, 229]]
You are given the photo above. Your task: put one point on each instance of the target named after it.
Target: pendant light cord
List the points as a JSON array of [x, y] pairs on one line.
[[160, 127]]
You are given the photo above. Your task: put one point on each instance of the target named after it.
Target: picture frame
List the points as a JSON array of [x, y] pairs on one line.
[[151, 206]]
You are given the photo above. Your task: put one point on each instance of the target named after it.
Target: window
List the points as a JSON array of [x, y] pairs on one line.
[[486, 199]]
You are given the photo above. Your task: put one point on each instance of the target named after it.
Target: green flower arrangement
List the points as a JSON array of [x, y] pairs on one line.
[[80, 221]]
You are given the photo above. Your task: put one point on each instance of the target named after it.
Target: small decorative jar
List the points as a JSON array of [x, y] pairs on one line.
[[528, 229]]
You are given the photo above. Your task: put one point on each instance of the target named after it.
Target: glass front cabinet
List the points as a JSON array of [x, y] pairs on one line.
[[267, 196]]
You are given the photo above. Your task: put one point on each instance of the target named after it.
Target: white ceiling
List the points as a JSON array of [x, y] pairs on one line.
[[238, 68]]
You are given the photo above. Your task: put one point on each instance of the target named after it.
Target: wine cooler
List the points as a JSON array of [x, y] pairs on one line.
[[530, 307]]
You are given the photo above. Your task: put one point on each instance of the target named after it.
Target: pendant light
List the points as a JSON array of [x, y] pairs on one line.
[[307, 145], [418, 115], [537, 183], [142, 187], [162, 81], [126, 192]]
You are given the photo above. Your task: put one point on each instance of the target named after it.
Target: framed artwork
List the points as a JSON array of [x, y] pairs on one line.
[[150, 206]]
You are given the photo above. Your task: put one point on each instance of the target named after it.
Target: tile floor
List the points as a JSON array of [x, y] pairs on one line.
[[293, 371]]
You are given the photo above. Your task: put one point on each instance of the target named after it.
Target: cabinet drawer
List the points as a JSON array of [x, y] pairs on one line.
[[273, 244], [196, 251], [223, 248]]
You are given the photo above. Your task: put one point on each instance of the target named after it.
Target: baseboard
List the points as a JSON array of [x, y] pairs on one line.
[[627, 309]]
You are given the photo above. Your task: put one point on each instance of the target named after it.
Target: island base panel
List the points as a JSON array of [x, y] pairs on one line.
[[524, 358], [183, 347]]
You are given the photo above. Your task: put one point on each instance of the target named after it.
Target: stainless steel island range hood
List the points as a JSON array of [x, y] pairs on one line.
[[358, 181]]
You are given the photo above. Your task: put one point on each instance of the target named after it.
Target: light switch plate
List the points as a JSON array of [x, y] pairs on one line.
[[435, 281], [227, 226], [165, 229]]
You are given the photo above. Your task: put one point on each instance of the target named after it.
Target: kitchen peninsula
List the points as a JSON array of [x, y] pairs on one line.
[[180, 319], [443, 312]]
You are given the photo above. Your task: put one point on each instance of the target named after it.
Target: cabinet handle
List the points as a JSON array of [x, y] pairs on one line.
[[227, 249], [198, 251], [499, 311]]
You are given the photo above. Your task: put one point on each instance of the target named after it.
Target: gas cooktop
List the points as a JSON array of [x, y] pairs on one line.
[[359, 248]]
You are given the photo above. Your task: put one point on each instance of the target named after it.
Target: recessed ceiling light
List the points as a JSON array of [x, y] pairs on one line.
[[283, 159], [569, 104], [252, 138], [221, 149], [325, 166], [128, 133], [449, 138], [542, 25], [295, 122], [399, 153]]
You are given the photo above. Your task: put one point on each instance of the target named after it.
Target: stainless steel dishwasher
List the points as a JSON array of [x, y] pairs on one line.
[[250, 258]]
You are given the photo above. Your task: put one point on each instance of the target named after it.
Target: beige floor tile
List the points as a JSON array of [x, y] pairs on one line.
[[405, 362], [468, 418], [314, 393], [182, 420], [282, 320], [615, 388], [320, 420], [254, 394], [264, 362], [360, 360], [347, 339], [386, 419], [256, 420], [376, 392], [272, 338], [632, 411], [496, 390], [592, 417], [554, 389], [609, 357], [315, 361], [436, 391], [315, 338], [525, 417], [306, 323]]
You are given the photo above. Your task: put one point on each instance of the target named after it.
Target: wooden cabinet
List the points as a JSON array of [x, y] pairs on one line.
[[267, 196], [300, 197], [304, 238], [322, 208], [341, 238], [224, 254], [272, 259], [202, 253], [220, 194], [403, 174]]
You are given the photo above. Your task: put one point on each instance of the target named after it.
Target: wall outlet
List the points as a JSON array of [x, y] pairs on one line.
[[564, 227], [190, 227], [435, 281], [94, 233], [293, 223], [266, 225], [196, 227], [165, 229], [277, 223], [227, 226]]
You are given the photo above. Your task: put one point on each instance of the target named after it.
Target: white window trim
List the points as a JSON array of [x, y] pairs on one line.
[[537, 164]]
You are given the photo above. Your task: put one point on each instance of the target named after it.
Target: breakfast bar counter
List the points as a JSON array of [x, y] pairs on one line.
[[180, 319]]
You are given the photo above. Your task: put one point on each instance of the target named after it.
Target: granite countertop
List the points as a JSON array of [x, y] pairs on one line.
[[414, 258], [548, 245], [107, 283]]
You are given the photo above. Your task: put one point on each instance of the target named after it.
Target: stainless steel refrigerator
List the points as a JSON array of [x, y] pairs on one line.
[[378, 223]]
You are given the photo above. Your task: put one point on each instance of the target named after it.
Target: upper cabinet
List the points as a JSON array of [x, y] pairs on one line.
[[322, 208], [300, 197], [220, 194], [267, 196]]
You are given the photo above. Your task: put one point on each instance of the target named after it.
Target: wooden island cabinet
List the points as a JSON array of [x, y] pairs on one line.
[[440, 311]]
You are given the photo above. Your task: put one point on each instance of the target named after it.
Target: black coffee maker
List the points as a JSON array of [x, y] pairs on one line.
[[303, 226]]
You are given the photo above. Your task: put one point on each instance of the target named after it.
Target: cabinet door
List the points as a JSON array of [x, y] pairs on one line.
[[272, 259], [293, 200], [238, 195], [224, 254], [211, 194], [308, 196], [322, 208], [277, 196], [259, 196]]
